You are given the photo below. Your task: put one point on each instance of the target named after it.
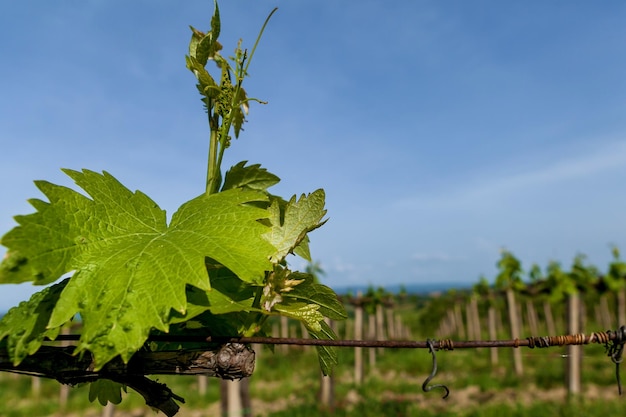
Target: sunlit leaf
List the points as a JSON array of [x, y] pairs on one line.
[[291, 224], [130, 267]]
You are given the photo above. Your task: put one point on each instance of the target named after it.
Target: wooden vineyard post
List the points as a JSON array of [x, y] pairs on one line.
[[64, 390], [348, 329], [202, 384], [547, 311], [581, 277], [452, 324], [380, 326], [486, 292], [573, 352], [402, 332], [231, 398], [509, 280], [583, 318], [473, 319], [493, 333], [284, 332], [470, 322], [515, 330], [358, 335], [458, 318], [327, 395], [305, 333], [605, 312], [477, 322], [391, 323], [531, 317], [371, 335], [108, 410], [35, 387]]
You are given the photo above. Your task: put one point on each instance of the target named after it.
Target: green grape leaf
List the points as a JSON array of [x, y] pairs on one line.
[[251, 176], [229, 294], [302, 250], [25, 325], [308, 314], [13, 268], [310, 292], [206, 84], [215, 21], [205, 49], [204, 46], [308, 301], [105, 391], [240, 111], [196, 36], [207, 46], [290, 225], [327, 355], [131, 268]]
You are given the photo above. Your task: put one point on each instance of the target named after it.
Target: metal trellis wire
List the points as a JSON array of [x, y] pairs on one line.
[[613, 340]]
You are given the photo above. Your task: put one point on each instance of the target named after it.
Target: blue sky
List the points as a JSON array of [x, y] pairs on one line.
[[441, 131]]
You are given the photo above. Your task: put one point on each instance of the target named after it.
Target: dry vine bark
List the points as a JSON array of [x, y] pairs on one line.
[[228, 361]]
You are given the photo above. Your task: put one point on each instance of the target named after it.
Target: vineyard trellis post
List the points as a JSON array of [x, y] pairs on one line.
[[380, 325], [108, 410], [358, 335], [483, 289], [573, 352], [231, 403], [491, 312], [371, 335], [64, 390], [391, 322], [509, 280], [604, 312], [202, 384], [458, 318], [581, 277], [531, 316], [284, 332], [473, 317], [514, 330], [547, 311]]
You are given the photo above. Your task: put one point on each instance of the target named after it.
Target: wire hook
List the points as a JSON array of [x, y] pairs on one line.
[[614, 350], [431, 347]]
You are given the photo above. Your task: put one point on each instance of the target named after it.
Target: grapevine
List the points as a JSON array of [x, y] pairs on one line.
[[218, 268]]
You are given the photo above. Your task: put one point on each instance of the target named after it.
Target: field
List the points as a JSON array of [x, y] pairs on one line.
[[288, 384]]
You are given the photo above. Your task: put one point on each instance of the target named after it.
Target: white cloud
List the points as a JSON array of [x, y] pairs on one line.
[[604, 159], [493, 185]]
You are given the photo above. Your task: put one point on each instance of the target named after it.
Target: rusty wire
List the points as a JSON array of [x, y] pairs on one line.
[[613, 340], [618, 336]]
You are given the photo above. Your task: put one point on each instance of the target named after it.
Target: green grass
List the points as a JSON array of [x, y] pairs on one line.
[[393, 388], [288, 383], [371, 408]]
